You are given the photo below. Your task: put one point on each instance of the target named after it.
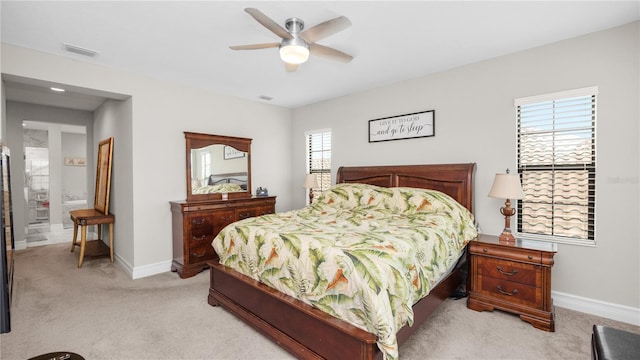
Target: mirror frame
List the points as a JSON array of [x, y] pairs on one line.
[[197, 141], [103, 176]]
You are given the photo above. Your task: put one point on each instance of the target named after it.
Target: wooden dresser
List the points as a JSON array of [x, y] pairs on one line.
[[196, 223], [513, 277]]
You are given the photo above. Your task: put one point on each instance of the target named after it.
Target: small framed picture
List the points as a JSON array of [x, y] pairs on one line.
[[75, 161], [233, 153]]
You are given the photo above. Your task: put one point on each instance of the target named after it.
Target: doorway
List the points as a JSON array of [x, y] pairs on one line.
[[55, 177], [36, 190]]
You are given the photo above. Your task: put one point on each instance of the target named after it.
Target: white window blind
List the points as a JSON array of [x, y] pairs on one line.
[[319, 157], [557, 166], [205, 159]]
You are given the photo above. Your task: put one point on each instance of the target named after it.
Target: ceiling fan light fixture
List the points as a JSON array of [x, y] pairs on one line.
[[296, 44], [294, 51]]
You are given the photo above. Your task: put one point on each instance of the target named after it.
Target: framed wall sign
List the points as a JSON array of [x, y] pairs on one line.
[[408, 126], [232, 153]]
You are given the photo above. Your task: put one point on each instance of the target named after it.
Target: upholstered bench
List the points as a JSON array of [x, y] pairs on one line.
[[614, 344]]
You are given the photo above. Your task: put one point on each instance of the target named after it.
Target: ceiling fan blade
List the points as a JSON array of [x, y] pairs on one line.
[[330, 53], [325, 29], [291, 67], [268, 23], [254, 46]]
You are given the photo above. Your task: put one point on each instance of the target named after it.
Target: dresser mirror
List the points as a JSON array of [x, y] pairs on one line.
[[218, 167]]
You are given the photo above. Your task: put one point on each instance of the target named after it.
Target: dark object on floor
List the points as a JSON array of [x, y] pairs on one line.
[[62, 355], [614, 344]]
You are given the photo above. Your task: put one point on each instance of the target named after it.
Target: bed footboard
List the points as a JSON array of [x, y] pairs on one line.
[[303, 330]]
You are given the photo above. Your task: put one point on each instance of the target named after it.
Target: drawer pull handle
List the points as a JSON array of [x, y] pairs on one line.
[[199, 221], [199, 255], [515, 291], [199, 238], [485, 250], [530, 257], [499, 268]]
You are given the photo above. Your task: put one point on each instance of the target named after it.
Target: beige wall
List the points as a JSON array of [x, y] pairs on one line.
[[149, 164], [475, 122]]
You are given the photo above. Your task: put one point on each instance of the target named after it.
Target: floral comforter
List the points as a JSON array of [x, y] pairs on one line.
[[218, 188], [362, 253]]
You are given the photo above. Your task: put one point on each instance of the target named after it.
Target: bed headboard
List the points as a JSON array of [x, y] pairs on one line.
[[455, 180], [239, 178]]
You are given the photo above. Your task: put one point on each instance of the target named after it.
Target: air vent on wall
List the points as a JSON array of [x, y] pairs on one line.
[[80, 50]]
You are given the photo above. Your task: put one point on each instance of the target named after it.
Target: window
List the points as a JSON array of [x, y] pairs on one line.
[[319, 157], [557, 166], [205, 159]]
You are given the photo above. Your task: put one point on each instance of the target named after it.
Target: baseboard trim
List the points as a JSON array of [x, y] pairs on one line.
[[151, 269], [56, 228], [20, 245], [604, 309]]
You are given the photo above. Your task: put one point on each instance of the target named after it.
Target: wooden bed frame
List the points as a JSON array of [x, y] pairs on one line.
[[309, 333]]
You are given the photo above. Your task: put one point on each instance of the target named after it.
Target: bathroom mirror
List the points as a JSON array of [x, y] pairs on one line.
[[218, 167]]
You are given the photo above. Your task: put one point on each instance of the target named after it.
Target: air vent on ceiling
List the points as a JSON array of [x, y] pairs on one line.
[[80, 50]]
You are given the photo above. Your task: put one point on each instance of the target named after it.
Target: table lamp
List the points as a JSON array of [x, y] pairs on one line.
[[311, 182], [507, 186]]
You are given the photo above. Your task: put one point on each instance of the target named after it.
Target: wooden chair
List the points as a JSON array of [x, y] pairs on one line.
[[99, 215]]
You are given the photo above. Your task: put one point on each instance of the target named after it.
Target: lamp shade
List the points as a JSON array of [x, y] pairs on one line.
[[506, 186], [311, 181]]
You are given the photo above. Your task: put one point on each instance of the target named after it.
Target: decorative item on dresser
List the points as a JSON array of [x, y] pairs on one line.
[[218, 194], [514, 277], [195, 224]]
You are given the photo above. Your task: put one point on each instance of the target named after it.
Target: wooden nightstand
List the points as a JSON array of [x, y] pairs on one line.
[[513, 277]]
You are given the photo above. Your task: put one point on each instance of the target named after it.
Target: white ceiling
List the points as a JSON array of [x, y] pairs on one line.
[[188, 42]]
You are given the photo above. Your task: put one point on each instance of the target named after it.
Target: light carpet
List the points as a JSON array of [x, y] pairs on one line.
[[100, 313]]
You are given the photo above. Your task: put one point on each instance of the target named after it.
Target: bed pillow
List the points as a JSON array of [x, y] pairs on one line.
[[348, 195], [398, 200]]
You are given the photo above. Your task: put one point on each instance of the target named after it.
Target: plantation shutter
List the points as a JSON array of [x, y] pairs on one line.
[[319, 157], [557, 166]]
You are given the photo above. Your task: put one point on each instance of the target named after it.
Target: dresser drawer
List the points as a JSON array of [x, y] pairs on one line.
[[247, 213], [201, 225], [264, 210], [512, 292], [222, 219], [516, 254], [201, 251], [522, 273]]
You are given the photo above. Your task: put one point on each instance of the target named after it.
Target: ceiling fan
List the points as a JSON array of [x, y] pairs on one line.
[[296, 44]]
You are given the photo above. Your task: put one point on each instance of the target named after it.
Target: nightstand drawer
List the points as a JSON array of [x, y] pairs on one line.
[[505, 252], [526, 274], [511, 292]]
